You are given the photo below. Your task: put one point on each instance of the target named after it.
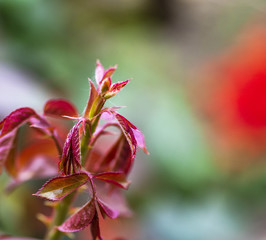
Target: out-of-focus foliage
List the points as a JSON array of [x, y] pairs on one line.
[[204, 178]]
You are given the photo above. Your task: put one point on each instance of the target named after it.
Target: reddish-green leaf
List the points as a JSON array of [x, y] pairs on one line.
[[99, 72], [59, 108], [93, 96], [95, 228], [70, 160], [106, 210], [81, 219], [115, 88], [128, 132], [140, 140], [16, 118], [10, 161], [39, 123], [109, 72], [59, 187], [133, 134], [2, 123], [6, 144], [118, 158], [116, 178]]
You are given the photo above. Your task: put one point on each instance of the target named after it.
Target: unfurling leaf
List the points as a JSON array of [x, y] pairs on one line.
[[106, 210], [59, 108], [15, 119], [115, 88], [128, 132], [59, 187], [70, 160], [99, 72], [116, 178], [109, 72], [132, 133], [80, 219]]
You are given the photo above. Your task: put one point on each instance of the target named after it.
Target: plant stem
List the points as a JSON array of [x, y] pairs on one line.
[[60, 214]]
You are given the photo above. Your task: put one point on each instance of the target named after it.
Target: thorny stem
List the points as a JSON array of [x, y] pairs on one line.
[[62, 208]]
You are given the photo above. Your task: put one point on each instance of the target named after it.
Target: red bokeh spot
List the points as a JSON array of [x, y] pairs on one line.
[[233, 99], [251, 101]]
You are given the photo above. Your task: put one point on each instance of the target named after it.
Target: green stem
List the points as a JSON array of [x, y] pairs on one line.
[[90, 129], [85, 143], [60, 215]]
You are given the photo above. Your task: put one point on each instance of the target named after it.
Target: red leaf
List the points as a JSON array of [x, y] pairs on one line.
[[10, 161], [59, 187], [132, 133], [39, 123], [6, 144], [117, 178], [115, 88], [2, 123], [126, 126], [118, 158], [109, 72], [119, 85], [108, 159], [16, 118], [95, 227], [59, 108], [43, 150], [106, 210], [80, 219], [124, 160], [70, 160], [116, 201], [39, 167], [99, 72], [140, 140]]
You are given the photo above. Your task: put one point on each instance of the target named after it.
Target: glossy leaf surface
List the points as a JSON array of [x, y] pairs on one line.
[[59, 187]]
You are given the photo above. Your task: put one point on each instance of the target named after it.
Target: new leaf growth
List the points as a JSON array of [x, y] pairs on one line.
[[74, 166]]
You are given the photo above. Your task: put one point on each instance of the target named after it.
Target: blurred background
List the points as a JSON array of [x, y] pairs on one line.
[[198, 94]]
